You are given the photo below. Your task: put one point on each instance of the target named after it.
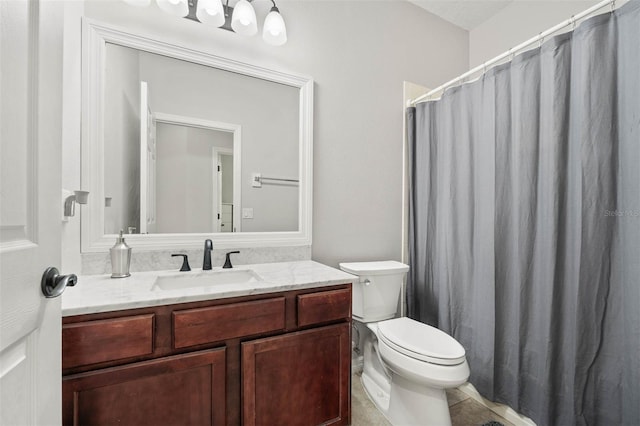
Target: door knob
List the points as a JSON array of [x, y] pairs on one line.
[[53, 284]]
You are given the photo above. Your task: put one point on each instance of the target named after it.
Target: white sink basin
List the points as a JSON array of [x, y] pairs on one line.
[[205, 279]]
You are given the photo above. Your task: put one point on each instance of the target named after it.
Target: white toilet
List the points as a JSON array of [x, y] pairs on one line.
[[407, 365]]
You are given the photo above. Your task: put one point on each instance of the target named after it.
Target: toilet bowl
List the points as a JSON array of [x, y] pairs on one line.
[[407, 365]]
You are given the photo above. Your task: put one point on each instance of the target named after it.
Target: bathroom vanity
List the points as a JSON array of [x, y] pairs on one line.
[[271, 350]]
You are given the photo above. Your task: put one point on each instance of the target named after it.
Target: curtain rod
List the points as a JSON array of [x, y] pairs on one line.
[[539, 38]]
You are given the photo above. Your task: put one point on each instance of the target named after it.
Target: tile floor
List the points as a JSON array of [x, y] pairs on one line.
[[465, 411]]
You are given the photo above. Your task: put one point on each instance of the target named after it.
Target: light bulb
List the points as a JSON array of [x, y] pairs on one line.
[[174, 7], [244, 20], [274, 31], [210, 12]]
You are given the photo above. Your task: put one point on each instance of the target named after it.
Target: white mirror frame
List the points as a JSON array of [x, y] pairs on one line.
[[93, 239]]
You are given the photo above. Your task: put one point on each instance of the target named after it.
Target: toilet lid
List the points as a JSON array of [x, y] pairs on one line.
[[421, 341], [385, 267]]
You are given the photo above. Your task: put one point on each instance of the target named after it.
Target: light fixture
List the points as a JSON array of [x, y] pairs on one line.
[[240, 19], [243, 20], [274, 31], [210, 12], [139, 3], [174, 7]]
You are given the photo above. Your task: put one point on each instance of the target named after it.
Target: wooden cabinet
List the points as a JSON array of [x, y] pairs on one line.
[[184, 389], [325, 306], [116, 338], [298, 378], [278, 358], [195, 326]]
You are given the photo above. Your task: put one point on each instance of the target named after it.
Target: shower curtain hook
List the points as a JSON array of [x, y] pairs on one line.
[[613, 5], [573, 22], [540, 39]]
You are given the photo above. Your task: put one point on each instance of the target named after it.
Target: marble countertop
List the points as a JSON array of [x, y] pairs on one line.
[[101, 293]]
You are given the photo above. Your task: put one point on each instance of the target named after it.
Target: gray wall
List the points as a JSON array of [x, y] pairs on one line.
[[269, 134], [185, 177], [518, 22], [359, 53], [122, 139]]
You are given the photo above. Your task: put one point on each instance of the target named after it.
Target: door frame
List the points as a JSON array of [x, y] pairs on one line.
[[235, 129], [217, 153]]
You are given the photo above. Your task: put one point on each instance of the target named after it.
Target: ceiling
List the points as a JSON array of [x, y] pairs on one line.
[[467, 14]]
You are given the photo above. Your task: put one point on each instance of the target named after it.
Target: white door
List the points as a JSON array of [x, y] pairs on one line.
[[147, 163], [217, 153], [30, 210]]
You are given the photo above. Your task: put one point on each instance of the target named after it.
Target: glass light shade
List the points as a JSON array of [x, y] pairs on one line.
[[274, 31], [139, 3], [243, 20], [210, 12], [174, 7]]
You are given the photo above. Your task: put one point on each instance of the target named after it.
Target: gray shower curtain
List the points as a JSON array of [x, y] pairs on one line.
[[525, 224]]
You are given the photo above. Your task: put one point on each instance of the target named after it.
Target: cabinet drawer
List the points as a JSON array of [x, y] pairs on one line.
[[217, 323], [91, 342], [325, 306]]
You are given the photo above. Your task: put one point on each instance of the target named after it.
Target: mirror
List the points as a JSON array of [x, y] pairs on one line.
[[182, 145]]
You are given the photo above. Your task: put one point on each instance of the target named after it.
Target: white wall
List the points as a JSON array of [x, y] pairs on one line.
[[518, 22], [359, 53]]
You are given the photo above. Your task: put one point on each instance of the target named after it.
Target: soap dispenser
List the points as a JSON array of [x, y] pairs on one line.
[[120, 258]]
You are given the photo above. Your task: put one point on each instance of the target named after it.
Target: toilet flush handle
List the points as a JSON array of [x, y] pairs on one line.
[[366, 281]]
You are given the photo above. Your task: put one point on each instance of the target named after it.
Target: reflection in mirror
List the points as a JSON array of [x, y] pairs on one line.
[[195, 180], [182, 141], [268, 173]]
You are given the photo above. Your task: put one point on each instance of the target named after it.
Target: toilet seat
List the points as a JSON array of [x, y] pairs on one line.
[[421, 341]]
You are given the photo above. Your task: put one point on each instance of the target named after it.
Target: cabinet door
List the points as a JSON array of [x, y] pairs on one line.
[[299, 378], [184, 389]]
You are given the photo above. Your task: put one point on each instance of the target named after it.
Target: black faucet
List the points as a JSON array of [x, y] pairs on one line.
[[227, 261], [206, 263]]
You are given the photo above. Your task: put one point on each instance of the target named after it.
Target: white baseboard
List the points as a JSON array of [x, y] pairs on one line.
[[500, 409]]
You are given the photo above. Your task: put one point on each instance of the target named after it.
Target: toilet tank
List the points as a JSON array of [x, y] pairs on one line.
[[377, 292]]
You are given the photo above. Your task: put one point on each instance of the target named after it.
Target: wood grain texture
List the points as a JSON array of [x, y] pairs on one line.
[[98, 341], [324, 306], [184, 389], [286, 304], [193, 327], [300, 378]]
